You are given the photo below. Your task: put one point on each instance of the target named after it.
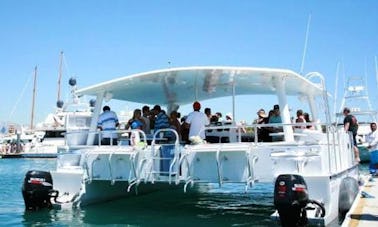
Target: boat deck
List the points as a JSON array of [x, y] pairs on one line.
[[364, 211]]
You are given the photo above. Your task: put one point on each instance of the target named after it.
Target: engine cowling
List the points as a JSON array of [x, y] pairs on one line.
[[37, 190], [290, 199]]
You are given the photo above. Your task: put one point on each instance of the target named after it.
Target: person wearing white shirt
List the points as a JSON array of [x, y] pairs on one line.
[[372, 139], [197, 121]]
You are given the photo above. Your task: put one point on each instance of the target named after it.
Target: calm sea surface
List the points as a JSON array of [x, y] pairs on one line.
[[228, 206]]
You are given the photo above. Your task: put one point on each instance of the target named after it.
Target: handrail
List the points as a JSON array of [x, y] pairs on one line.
[[155, 154], [111, 132]]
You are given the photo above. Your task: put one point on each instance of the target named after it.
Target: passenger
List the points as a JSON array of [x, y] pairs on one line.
[[219, 115], [262, 132], [175, 123], [207, 111], [136, 122], [351, 125], [214, 119], [300, 119], [307, 119], [146, 117], [161, 120], [196, 121], [184, 131], [274, 119], [372, 140], [108, 121], [228, 117]]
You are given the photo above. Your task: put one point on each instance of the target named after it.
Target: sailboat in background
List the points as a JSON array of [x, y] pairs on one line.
[[42, 139], [357, 99], [16, 139], [70, 116]]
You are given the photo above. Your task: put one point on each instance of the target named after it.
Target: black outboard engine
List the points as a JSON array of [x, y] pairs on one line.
[[290, 199], [37, 190]]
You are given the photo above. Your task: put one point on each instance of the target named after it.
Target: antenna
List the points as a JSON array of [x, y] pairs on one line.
[[60, 74], [33, 99], [305, 44]]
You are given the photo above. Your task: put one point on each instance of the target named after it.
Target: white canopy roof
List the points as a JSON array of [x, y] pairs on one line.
[[184, 85]]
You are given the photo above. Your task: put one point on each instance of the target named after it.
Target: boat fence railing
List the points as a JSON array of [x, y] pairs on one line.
[[275, 129], [79, 137], [329, 135]]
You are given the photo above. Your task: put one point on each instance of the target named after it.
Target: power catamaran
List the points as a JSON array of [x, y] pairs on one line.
[[314, 171]]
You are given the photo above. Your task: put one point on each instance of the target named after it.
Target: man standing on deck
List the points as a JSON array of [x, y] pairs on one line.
[[372, 140], [146, 117], [161, 121], [351, 125], [108, 121], [196, 121]]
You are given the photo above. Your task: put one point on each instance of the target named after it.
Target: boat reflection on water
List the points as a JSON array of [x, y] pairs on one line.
[[212, 207]]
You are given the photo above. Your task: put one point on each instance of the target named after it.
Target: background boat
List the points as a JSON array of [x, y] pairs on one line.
[[357, 99]]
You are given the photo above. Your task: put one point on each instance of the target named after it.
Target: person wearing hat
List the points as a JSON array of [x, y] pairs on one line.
[[262, 132], [196, 121]]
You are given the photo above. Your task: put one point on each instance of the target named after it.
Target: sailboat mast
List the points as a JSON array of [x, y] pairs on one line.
[[33, 98], [60, 74]]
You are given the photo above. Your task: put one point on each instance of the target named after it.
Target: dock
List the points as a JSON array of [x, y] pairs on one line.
[[364, 211]]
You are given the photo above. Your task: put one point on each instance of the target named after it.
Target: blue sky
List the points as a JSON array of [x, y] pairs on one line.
[[106, 39]]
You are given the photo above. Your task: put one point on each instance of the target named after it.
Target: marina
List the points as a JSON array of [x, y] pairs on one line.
[[189, 113]]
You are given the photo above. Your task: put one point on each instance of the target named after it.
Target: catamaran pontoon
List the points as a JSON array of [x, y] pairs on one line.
[[314, 170]]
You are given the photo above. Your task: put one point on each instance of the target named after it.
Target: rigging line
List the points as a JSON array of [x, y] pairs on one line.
[[305, 44], [66, 65], [20, 96]]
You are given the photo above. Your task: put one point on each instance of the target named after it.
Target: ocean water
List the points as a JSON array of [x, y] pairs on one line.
[[228, 206]]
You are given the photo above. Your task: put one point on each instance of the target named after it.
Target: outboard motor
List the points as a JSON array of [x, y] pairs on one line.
[[290, 199], [37, 190]]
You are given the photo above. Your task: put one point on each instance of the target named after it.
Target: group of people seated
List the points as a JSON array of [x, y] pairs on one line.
[[193, 124], [274, 117], [151, 120]]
